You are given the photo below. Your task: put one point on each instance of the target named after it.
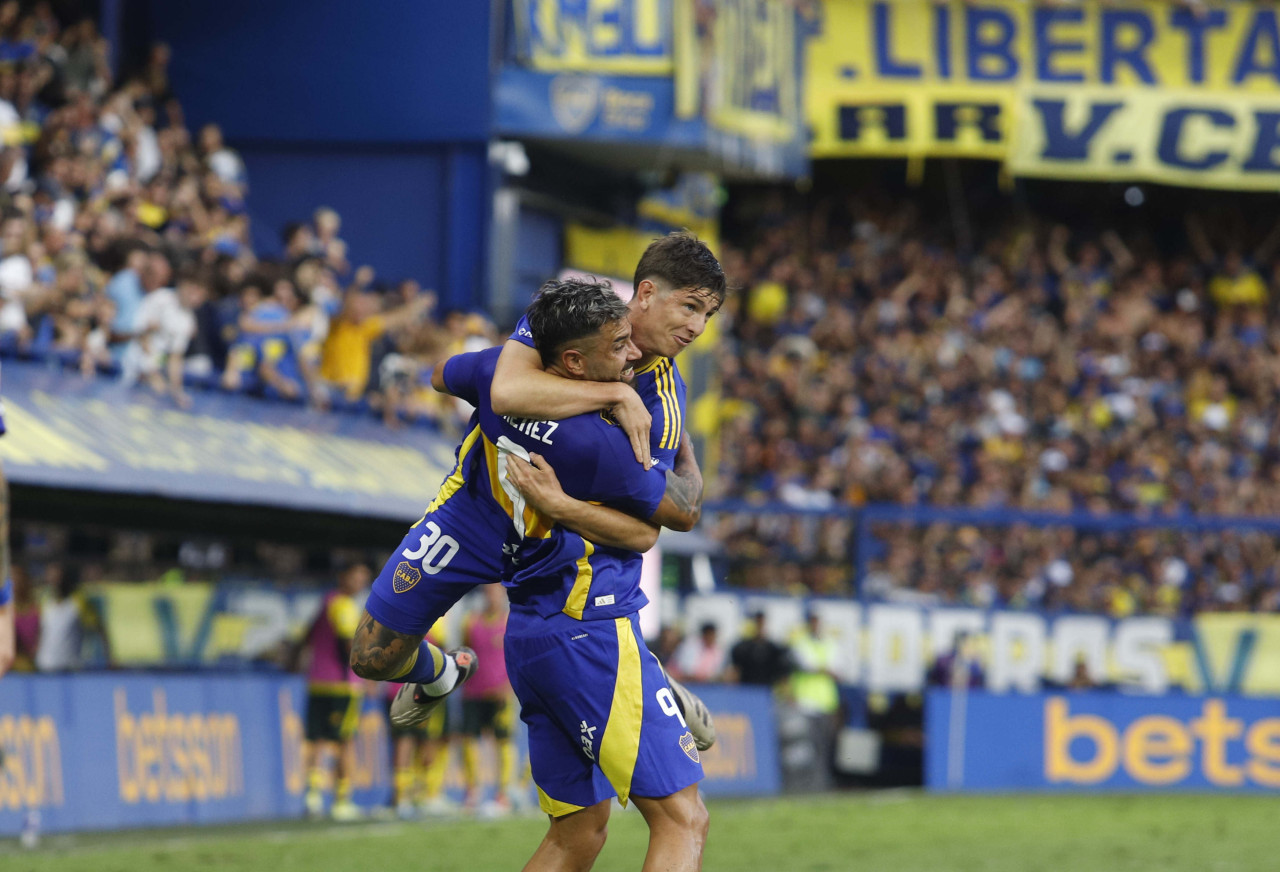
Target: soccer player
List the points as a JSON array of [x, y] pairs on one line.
[[679, 285], [677, 288], [487, 704], [333, 696], [602, 720], [457, 544]]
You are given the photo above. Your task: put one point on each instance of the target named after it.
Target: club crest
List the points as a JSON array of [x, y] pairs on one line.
[[574, 102], [406, 577], [689, 747]]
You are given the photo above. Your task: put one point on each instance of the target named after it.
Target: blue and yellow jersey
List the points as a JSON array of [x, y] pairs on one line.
[[547, 568], [661, 387]]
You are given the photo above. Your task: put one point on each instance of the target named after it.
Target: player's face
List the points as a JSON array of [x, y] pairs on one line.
[[611, 356], [668, 320]]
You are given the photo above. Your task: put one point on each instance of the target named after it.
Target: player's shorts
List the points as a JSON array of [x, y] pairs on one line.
[[602, 721], [332, 717], [437, 725], [494, 715], [440, 560]]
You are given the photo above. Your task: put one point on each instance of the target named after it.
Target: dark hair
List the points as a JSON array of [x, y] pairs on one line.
[[193, 273], [291, 229], [681, 260], [567, 310]]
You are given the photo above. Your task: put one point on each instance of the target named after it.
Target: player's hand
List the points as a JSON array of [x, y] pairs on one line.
[[634, 419], [537, 482]]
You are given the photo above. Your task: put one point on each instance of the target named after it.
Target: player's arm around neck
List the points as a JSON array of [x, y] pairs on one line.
[[523, 389]]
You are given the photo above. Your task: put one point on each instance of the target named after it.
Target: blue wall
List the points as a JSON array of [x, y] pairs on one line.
[[410, 213], [379, 109], [372, 71]]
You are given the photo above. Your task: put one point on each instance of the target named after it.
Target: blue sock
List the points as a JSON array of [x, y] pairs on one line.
[[429, 666]]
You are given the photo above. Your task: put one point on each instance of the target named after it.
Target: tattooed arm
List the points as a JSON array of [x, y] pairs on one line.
[[380, 654], [681, 505]]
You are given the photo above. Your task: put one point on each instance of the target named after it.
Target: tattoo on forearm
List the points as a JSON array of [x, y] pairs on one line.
[[686, 492], [378, 653]]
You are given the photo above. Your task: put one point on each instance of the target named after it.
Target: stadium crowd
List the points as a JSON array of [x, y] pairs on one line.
[[869, 360], [125, 248]]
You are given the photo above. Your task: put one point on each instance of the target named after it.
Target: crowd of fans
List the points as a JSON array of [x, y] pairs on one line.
[[125, 248], [869, 360]]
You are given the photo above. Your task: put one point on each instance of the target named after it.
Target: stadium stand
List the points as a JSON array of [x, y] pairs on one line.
[[126, 250], [871, 360]]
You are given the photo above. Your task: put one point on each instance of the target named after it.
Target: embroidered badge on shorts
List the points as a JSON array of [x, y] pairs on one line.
[[406, 577], [689, 747]]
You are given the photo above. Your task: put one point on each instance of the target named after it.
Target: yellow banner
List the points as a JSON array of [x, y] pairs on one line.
[[622, 37], [751, 82], [1097, 90]]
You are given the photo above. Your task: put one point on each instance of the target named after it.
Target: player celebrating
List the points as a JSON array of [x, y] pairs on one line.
[[602, 720], [679, 285]]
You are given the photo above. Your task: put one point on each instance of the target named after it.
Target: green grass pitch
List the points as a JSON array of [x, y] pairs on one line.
[[865, 832]]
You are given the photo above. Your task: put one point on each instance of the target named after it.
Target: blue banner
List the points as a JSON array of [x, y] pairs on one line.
[[744, 759], [106, 751], [628, 38], [722, 81], [99, 752], [1101, 741], [592, 106], [69, 432]]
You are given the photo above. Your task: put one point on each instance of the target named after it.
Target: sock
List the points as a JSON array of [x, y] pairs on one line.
[[316, 780], [471, 765], [506, 764], [403, 785], [445, 681], [421, 784], [343, 791], [436, 772], [426, 666]]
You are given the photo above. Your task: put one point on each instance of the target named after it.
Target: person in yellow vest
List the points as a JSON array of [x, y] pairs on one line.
[[813, 684], [814, 688]]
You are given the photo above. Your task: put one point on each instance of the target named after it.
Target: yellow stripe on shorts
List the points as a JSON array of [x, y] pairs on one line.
[[620, 745]]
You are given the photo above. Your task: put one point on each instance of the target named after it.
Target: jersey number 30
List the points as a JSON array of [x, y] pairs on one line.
[[433, 549]]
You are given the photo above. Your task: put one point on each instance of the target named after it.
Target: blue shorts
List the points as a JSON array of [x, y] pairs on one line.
[[439, 561], [602, 721]]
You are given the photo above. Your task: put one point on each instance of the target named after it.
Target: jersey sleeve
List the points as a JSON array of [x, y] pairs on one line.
[[522, 333], [463, 372], [623, 484]]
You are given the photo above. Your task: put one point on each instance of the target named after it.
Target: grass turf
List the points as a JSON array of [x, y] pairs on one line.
[[867, 832]]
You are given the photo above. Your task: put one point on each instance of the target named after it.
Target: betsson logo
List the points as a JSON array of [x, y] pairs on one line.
[[1159, 750]]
